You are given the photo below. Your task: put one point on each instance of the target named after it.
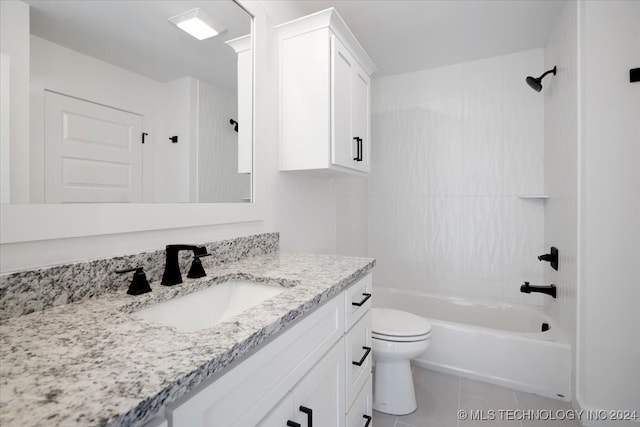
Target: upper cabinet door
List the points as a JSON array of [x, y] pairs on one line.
[[360, 114], [342, 141]]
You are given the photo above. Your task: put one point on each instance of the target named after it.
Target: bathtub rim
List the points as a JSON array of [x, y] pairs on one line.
[[554, 334]]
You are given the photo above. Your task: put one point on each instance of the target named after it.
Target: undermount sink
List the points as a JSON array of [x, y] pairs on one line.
[[208, 307]]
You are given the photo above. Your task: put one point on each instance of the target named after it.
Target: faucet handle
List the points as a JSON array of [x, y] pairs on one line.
[[551, 258], [197, 270], [139, 285]]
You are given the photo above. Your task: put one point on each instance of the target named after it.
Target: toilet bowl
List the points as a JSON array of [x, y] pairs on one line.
[[397, 338]]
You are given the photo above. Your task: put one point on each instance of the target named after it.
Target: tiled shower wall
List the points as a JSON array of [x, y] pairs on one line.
[[561, 167], [452, 148]]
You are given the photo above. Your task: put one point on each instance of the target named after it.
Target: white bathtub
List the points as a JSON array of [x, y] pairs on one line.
[[494, 342]]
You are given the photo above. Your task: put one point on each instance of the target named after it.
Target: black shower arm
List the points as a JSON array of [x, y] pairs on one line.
[[553, 70]]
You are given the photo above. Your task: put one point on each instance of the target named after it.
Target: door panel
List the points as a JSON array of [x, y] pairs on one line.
[[360, 113], [342, 138], [93, 153]]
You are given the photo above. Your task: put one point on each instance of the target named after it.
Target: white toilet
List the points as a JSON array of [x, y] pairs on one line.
[[398, 337]]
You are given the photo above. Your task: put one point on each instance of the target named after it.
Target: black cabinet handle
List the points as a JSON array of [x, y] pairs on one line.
[[368, 418], [366, 353], [358, 157], [359, 304], [309, 413], [293, 424]]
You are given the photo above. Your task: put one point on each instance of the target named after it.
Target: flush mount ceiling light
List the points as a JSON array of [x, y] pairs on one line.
[[198, 24]]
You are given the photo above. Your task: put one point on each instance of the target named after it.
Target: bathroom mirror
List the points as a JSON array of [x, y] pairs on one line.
[[128, 108]]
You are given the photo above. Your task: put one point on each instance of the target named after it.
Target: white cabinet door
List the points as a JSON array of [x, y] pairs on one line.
[[322, 392], [360, 116], [280, 414], [342, 141], [93, 153], [318, 399], [349, 110]]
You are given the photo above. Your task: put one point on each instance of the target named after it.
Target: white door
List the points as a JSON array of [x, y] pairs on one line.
[[93, 153]]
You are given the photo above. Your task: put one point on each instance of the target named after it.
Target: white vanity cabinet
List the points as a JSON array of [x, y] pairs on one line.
[[306, 373], [324, 96]]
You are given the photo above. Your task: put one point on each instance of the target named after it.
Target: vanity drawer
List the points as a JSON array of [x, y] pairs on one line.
[[358, 300], [361, 412], [358, 357]]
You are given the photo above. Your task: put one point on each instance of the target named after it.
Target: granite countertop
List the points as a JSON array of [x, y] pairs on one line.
[[91, 363]]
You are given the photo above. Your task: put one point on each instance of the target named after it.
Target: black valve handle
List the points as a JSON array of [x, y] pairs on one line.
[[139, 284], [368, 418], [201, 255], [359, 304], [309, 413], [366, 353], [293, 424]]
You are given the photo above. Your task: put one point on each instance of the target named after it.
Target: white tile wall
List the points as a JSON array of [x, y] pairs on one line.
[[451, 149], [561, 167]]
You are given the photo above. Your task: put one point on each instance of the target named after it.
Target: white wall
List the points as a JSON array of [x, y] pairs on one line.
[[172, 167], [609, 247], [14, 42], [218, 179], [301, 207], [452, 148], [561, 168]]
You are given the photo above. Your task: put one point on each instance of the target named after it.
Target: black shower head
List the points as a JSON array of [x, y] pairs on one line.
[[536, 83]]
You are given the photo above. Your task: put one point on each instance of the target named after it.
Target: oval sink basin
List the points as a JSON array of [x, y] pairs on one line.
[[208, 307]]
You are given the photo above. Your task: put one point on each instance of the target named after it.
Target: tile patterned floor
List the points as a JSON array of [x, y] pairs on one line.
[[440, 397]]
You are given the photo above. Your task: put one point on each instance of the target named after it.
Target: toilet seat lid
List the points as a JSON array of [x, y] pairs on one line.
[[396, 323]]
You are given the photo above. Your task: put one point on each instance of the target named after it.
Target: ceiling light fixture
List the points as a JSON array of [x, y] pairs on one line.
[[198, 24]]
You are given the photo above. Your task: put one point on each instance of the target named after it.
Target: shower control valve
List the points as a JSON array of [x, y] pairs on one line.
[[551, 257]]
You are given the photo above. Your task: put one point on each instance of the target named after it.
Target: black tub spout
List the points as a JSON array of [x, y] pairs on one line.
[[549, 290]]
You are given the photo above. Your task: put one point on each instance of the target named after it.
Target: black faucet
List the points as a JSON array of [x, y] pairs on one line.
[[549, 290], [172, 274]]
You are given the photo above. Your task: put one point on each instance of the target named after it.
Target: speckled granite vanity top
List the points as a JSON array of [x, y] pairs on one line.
[[91, 363]]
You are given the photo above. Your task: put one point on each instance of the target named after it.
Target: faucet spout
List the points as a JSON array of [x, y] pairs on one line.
[[172, 274], [549, 290]]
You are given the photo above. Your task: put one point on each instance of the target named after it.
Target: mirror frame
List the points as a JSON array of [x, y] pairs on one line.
[[33, 222]]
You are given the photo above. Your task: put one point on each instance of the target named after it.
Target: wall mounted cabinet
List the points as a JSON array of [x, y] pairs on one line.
[[324, 96]]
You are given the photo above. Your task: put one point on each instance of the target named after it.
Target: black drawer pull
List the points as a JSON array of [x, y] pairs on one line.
[[293, 424], [366, 353], [368, 418], [359, 304], [309, 413]]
